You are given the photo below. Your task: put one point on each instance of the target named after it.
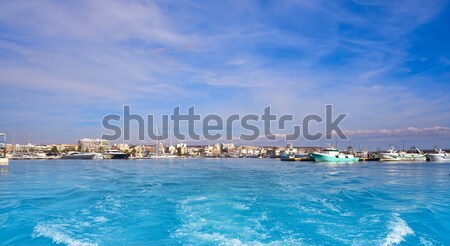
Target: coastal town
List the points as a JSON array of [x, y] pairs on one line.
[[86, 145], [87, 148], [224, 123]]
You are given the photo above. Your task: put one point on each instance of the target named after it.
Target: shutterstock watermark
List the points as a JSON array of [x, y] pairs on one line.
[[214, 127]]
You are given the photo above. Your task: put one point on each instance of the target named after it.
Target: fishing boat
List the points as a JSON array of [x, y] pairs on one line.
[[3, 159], [439, 155], [296, 157], [393, 155], [331, 154], [291, 154], [115, 154], [74, 155]]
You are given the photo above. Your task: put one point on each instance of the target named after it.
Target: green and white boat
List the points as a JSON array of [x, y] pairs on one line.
[[331, 154]]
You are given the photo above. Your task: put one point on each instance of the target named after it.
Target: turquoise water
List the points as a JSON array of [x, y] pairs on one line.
[[223, 202]]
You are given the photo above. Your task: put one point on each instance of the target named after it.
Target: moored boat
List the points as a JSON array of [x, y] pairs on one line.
[[115, 154], [73, 155], [331, 154], [439, 155], [296, 157], [163, 156], [98, 156], [393, 155]]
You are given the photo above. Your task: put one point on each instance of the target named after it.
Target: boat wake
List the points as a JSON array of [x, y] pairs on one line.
[[218, 221], [58, 235], [398, 231]]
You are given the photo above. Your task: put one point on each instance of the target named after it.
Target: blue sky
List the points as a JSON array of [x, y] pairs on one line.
[[66, 64]]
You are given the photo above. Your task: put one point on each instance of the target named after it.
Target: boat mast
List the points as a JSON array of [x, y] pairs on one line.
[[14, 142]]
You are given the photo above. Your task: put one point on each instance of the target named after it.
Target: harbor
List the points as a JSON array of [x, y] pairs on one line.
[[225, 123], [100, 149]]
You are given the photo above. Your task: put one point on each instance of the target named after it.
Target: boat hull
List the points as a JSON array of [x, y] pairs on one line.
[[297, 159], [318, 157], [401, 157], [439, 157], [115, 156], [78, 157]]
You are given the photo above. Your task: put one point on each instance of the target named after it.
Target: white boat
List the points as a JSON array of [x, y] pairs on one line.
[[40, 156], [331, 154], [393, 155], [163, 156], [439, 155], [160, 153], [73, 155], [98, 156]]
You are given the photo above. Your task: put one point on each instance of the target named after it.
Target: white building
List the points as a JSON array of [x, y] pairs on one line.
[[122, 147], [93, 145]]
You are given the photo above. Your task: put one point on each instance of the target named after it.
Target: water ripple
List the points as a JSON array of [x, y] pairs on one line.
[[223, 202]]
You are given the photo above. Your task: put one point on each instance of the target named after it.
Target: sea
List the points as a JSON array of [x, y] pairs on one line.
[[223, 202]]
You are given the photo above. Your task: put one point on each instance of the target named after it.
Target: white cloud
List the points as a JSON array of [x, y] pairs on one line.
[[426, 131]]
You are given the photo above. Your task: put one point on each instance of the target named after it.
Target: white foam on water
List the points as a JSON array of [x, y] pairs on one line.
[[200, 225], [240, 206], [223, 240], [370, 219], [425, 242], [85, 224], [195, 199], [330, 205], [232, 242], [110, 204], [398, 231], [264, 216], [309, 210], [211, 237], [100, 219], [220, 239], [57, 235]]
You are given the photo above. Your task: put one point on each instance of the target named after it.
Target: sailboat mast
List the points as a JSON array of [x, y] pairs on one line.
[[14, 141]]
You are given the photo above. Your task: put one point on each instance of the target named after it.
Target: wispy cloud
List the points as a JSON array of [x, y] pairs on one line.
[[427, 131]]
